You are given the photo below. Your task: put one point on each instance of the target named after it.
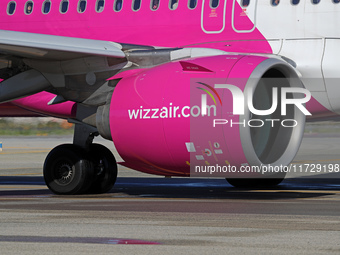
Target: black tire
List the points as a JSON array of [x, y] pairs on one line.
[[67, 171], [105, 167]]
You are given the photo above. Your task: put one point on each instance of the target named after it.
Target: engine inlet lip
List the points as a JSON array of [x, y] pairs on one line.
[[296, 135]]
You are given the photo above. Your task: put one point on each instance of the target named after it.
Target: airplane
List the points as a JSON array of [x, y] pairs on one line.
[[182, 87]]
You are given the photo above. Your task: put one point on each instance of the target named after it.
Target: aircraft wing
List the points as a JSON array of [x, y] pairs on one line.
[[50, 47], [72, 68]]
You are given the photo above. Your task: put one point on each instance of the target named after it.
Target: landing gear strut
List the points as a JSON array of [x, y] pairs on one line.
[[81, 167]]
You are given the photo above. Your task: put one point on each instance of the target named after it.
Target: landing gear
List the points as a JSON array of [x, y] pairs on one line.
[[70, 170], [81, 167], [67, 171]]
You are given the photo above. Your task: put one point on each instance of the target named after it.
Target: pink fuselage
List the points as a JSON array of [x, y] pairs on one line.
[[161, 28]]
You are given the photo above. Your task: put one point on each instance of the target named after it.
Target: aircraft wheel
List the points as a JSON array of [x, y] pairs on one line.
[[105, 167], [256, 182], [67, 171]]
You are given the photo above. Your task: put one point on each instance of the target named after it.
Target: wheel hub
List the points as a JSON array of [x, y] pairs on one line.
[[64, 174]]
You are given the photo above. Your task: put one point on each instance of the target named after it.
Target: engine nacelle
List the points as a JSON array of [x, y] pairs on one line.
[[181, 118]]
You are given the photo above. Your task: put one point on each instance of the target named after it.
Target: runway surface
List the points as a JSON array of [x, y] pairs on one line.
[[144, 214]]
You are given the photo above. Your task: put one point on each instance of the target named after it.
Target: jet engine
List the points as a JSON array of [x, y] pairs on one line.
[[230, 115]]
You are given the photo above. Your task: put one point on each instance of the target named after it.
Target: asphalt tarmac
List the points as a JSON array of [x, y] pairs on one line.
[[146, 214]]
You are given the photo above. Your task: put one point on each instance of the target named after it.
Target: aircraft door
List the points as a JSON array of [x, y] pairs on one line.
[[244, 15], [213, 16]]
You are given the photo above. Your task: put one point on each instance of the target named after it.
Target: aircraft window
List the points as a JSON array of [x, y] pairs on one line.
[[46, 7], [118, 5], [192, 4], [100, 5], [295, 2], [315, 1], [214, 3], [173, 4], [336, 1], [275, 2], [154, 5], [81, 6], [29, 7], [245, 3], [64, 6], [136, 5], [11, 8]]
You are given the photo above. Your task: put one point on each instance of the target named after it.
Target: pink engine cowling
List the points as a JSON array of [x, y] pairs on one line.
[[158, 124]]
